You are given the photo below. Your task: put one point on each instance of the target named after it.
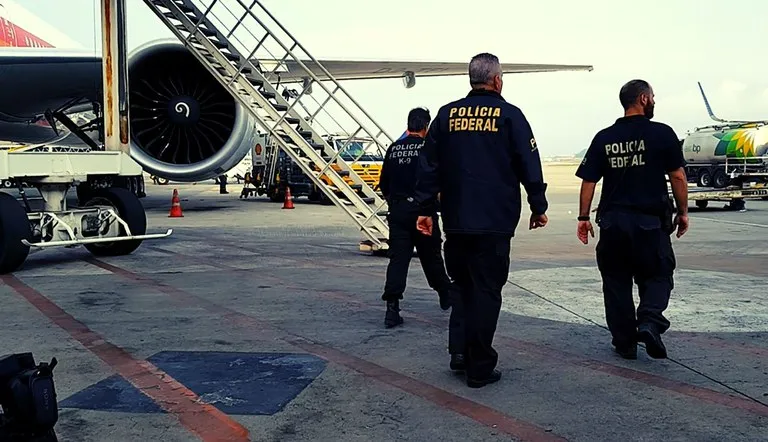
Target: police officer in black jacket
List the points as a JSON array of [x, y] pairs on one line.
[[478, 151], [633, 156], [398, 177]]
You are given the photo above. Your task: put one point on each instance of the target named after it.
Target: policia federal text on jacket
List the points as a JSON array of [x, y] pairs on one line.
[[478, 151], [633, 156], [398, 177]]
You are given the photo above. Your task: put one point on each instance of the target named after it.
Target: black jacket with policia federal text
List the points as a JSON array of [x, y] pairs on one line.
[[398, 173], [478, 151]]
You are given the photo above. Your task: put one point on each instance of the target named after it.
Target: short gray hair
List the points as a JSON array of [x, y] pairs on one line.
[[483, 67]]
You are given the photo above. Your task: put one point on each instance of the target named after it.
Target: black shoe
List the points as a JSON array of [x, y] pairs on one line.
[[653, 345], [457, 362], [626, 351], [478, 383], [392, 317]]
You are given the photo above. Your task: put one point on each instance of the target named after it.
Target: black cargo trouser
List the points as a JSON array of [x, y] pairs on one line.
[[479, 265], [631, 246], [403, 237]]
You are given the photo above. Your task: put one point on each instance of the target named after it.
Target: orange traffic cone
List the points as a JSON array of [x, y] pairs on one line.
[[288, 201], [175, 206]]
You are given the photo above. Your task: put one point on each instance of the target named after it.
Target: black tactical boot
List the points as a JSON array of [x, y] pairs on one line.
[[647, 334], [495, 376], [392, 317]]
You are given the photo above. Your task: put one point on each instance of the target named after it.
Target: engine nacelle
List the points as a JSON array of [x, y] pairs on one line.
[[184, 125]]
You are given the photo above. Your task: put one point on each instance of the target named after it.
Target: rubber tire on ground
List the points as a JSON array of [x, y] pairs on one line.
[[276, 195], [702, 204], [130, 209], [702, 181], [325, 200], [720, 179], [14, 226]]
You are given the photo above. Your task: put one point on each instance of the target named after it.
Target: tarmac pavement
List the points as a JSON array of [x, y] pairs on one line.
[[256, 323]]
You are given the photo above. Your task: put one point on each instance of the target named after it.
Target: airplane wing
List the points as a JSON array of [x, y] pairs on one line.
[[37, 79], [290, 71]]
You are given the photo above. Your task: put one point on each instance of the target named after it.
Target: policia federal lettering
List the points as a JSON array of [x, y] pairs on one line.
[[625, 154], [473, 118], [405, 153]]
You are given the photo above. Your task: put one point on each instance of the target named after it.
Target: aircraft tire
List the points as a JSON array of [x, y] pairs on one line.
[[14, 226], [130, 210]]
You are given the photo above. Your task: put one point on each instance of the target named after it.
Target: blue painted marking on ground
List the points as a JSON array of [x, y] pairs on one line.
[[235, 383], [112, 394], [242, 383]]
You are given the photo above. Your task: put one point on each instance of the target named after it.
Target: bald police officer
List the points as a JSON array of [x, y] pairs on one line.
[[398, 177], [634, 156], [477, 152]]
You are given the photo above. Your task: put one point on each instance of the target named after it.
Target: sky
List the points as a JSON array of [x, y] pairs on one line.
[[671, 44]]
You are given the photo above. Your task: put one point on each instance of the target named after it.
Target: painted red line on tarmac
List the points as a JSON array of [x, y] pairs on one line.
[[688, 337], [544, 352], [693, 391], [480, 413], [210, 424]]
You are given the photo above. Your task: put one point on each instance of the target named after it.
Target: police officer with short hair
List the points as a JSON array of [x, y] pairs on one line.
[[634, 156], [397, 179], [478, 151]]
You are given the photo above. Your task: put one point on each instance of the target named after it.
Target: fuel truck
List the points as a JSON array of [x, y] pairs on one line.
[[730, 153]]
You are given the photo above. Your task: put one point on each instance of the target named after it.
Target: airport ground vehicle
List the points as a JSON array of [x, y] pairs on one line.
[[273, 170], [729, 153], [735, 196]]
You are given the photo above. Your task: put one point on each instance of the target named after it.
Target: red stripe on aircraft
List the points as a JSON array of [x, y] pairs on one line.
[[15, 36]]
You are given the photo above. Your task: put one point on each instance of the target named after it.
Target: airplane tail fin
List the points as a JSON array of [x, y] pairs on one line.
[[720, 120], [709, 108]]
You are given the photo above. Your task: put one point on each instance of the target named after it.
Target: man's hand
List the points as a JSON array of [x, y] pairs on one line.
[[538, 221], [424, 225], [681, 221], [583, 229]]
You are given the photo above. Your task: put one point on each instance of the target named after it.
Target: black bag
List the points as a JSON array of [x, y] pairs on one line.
[[35, 397], [28, 397]]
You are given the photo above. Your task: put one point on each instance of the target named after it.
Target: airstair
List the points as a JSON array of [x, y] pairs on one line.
[[234, 41]]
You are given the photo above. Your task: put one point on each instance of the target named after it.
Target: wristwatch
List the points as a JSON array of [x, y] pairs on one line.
[[583, 218]]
